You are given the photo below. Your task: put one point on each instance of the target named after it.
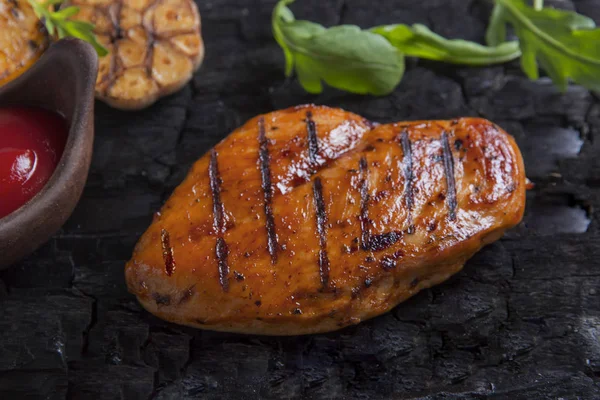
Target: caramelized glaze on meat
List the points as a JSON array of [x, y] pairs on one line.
[[311, 219], [23, 39]]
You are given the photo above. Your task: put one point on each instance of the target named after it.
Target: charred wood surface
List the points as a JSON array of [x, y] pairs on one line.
[[521, 321]]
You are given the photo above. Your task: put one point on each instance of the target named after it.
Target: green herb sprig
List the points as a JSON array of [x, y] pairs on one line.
[[562, 43], [60, 22], [345, 56], [419, 41]]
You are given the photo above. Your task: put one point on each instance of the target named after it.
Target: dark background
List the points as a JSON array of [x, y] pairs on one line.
[[522, 321]]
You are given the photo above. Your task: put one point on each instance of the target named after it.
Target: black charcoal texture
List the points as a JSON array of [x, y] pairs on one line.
[[521, 321]]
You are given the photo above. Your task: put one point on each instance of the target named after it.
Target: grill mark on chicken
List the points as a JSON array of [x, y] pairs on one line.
[[322, 231], [364, 203], [313, 141], [382, 241], [265, 171], [408, 176], [167, 252], [221, 249], [450, 180], [215, 187], [222, 252]]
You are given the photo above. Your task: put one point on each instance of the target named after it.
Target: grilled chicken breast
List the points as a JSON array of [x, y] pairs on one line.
[[23, 38], [311, 219], [154, 48]]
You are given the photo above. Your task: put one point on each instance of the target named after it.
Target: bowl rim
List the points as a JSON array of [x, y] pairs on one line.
[[81, 119]]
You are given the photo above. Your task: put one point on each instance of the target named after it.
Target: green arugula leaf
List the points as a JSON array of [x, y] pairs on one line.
[[282, 14], [564, 43], [420, 41], [60, 22], [344, 57]]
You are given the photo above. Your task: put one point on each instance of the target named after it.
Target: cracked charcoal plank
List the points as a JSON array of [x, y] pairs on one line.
[[484, 334]]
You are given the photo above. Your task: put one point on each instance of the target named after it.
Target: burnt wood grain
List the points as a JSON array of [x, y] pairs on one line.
[[521, 321]]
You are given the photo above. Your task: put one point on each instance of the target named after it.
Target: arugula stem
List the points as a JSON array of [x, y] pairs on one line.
[[540, 34]]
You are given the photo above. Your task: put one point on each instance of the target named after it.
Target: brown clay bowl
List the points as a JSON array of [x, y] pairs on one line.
[[62, 80]]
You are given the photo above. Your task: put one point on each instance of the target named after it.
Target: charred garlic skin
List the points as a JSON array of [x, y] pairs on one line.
[[155, 46]]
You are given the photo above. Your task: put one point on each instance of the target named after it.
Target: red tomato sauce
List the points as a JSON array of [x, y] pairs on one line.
[[31, 144]]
